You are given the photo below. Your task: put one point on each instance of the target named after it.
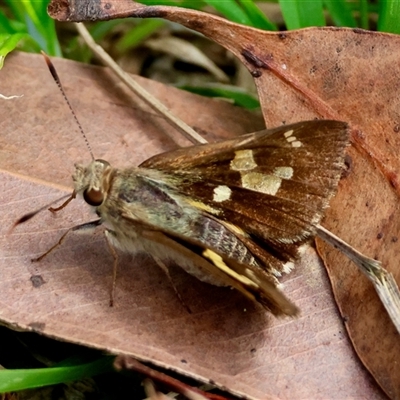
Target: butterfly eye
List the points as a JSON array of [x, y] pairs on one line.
[[93, 197]]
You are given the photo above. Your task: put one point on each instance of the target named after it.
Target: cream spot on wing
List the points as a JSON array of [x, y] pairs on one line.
[[288, 133], [268, 184], [222, 193], [217, 260], [283, 172], [235, 228], [243, 161], [292, 139], [205, 207]]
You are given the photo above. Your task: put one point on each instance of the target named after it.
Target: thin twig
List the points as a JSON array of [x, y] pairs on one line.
[[123, 362], [177, 123]]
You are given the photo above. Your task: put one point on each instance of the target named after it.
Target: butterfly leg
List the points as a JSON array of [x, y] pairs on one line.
[[164, 267], [63, 205], [109, 235], [87, 225]]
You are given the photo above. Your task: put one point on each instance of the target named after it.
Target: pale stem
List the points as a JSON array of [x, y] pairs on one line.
[[154, 103], [383, 281]]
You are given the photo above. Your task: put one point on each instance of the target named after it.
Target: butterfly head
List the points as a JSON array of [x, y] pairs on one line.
[[93, 181]]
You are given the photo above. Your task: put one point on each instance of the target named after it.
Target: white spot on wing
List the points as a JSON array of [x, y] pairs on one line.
[[268, 184], [283, 172], [243, 161], [222, 193], [288, 133], [292, 139], [287, 267]]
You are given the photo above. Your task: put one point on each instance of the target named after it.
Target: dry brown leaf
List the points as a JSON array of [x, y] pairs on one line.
[[226, 339], [344, 74]]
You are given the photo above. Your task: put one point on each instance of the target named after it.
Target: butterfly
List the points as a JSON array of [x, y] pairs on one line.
[[234, 213]]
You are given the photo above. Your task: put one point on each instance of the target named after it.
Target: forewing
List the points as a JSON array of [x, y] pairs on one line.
[[274, 184]]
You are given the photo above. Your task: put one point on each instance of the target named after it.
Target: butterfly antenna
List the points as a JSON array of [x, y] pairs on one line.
[[57, 80]]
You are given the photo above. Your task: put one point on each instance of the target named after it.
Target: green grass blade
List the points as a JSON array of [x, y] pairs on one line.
[[6, 25], [341, 13], [20, 379], [33, 14], [231, 10], [257, 17], [138, 34], [364, 17], [8, 42], [241, 11], [195, 4], [301, 14], [236, 95], [389, 16]]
